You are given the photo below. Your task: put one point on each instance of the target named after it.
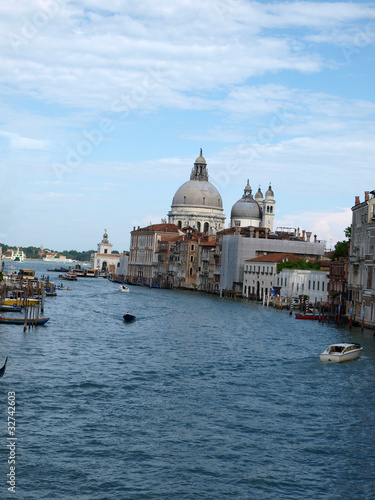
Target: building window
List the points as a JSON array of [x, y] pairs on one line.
[[179, 224], [192, 248], [198, 226], [317, 286], [191, 271], [191, 258], [205, 227], [313, 285], [323, 286], [105, 250], [204, 200], [309, 284]]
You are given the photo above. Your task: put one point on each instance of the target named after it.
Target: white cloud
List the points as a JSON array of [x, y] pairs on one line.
[[328, 226]]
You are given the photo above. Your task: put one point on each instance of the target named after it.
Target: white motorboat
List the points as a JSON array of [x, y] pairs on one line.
[[124, 288], [341, 352]]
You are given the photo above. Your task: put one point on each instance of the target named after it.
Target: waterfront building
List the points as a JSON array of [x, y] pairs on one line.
[[17, 255], [338, 280], [104, 260], [122, 269], [260, 274], [144, 246], [207, 281], [361, 275], [197, 203], [240, 244], [256, 212], [295, 282]]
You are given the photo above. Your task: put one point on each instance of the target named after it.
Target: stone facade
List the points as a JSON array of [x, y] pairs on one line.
[[361, 276]]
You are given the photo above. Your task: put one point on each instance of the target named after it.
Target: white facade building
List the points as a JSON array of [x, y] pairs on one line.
[[295, 282], [236, 249], [104, 260], [260, 274]]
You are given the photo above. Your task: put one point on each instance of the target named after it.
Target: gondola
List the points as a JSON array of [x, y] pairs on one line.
[[2, 370], [129, 318], [21, 321]]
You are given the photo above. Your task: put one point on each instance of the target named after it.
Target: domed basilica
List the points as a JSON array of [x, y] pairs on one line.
[[198, 204], [250, 211]]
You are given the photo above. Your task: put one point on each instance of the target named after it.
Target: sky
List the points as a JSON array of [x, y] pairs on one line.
[[104, 107]]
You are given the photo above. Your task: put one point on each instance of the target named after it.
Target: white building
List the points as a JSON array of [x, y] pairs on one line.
[[197, 203], [295, 282], [104, 260], [260, 274], [236, 249]]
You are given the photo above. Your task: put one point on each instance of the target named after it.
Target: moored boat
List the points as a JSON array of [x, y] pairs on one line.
[[13, 308], [21, 321], [341, 352], [321, 317]]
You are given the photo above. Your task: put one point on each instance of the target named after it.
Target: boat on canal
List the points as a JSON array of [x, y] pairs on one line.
[[341, 352], [320, 317], [68, 277], [128, 318], [123, 288], [21, 321]]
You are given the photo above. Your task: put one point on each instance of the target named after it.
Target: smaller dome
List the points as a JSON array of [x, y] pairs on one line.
[[269, 193], [259, 195], [246, 208]]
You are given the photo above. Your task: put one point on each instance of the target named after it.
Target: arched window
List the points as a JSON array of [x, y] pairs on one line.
[[204, 200], [268, 209], [198, 226], [191, 272], [179, 224], [205, 227], [271, 209]]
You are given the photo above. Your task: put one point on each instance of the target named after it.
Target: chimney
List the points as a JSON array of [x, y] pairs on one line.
[[357, 200], [367, 195], [133, 228], [303, 234], [308, 236], [314, 238]]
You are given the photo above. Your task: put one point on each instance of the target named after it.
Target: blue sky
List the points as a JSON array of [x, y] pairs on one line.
[[103, 111]]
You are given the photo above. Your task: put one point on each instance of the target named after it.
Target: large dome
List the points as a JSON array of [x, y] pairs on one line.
[[198, 193], [246, 208], [197, 203]]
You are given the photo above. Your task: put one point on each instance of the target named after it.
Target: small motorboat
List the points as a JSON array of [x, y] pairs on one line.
[[123, 288], [341, 352], [128, 318]]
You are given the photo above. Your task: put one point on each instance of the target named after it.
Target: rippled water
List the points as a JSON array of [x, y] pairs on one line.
[[200, 398]]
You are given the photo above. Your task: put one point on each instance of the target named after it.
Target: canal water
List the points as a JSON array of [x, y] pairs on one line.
[[200, 398]]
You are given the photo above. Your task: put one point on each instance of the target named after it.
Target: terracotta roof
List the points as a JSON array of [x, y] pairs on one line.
[[276, 257], [208, 244], [162, 228]]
